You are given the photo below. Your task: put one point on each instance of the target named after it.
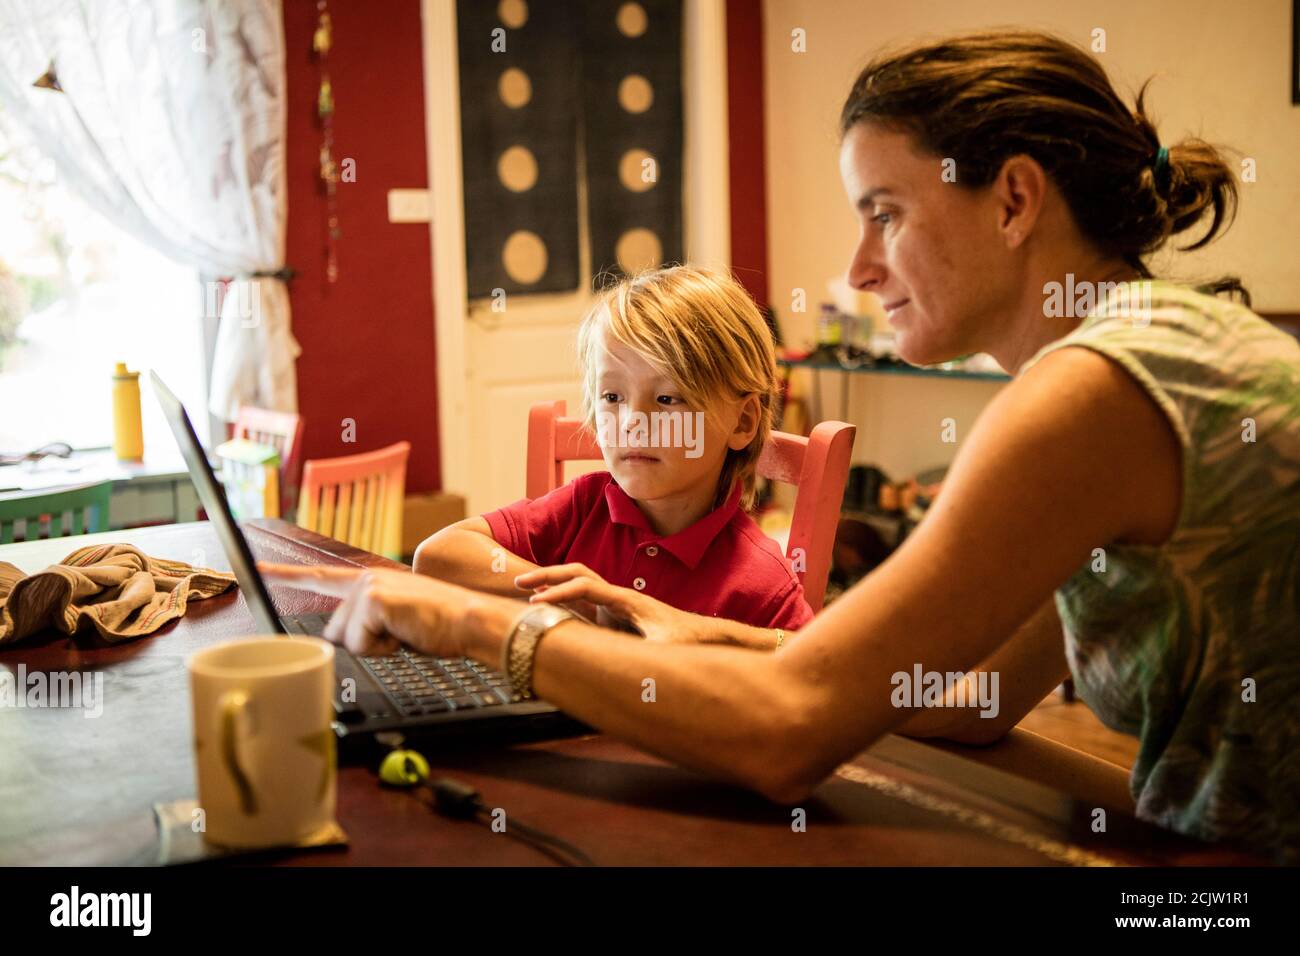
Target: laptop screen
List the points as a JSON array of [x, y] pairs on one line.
[[214, 501]]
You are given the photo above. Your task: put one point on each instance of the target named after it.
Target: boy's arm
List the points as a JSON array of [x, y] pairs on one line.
[[465, 553]]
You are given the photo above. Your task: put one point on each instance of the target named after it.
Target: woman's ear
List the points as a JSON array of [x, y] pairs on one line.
[[746, 423], [1019, 189]]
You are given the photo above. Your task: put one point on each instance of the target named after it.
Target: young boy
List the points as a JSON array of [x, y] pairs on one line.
[[679, 382]]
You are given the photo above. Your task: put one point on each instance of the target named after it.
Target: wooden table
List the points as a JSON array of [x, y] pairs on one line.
[[75, 790]]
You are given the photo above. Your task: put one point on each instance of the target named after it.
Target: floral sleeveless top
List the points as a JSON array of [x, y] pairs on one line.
[[1194, 646]]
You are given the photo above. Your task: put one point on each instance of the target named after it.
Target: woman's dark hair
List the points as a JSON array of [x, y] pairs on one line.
[[981, 98]]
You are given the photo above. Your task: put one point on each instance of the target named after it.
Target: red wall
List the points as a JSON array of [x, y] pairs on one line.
[[748, 155], [367, 340]]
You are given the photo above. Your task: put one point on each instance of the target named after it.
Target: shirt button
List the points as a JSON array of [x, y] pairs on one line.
[[651, 551], [639, 584]]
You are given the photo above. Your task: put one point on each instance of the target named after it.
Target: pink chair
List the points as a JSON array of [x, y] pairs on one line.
[[818, 465], [283, 432], [357, 499]]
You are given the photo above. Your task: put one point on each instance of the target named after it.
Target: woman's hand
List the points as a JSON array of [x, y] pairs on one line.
[[381, 606], [653, 619]]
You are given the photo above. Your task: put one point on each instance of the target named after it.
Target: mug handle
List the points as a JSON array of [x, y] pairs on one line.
[[233, 705]]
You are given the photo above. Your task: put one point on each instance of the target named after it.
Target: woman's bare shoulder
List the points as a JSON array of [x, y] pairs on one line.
[[1090, 413]]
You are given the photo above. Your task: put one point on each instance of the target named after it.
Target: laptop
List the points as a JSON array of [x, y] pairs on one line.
[[381, 702]]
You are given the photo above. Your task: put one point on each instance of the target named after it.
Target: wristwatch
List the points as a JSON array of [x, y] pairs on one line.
[[521, 646]]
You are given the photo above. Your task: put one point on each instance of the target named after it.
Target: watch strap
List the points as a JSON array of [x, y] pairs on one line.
[[521, 646]]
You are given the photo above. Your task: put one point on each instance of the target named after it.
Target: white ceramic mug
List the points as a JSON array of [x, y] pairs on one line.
[[264, 746]]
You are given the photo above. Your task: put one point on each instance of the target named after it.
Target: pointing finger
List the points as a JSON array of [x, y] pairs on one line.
[[330, 581]]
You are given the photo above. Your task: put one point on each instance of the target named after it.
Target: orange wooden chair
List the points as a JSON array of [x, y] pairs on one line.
[[818, 465], [357, 498], [283, 432]]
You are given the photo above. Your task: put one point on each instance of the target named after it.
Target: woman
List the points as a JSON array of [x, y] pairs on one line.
[[1127, 510]]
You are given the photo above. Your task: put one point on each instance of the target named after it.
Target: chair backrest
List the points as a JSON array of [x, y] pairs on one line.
[[357, 498], [283, 432], [817, 465], [43, 513]]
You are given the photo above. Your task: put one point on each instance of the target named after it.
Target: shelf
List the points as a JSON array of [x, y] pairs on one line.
[[894, 370]]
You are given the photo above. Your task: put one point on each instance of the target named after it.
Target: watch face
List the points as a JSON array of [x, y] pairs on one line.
[[547, 617]]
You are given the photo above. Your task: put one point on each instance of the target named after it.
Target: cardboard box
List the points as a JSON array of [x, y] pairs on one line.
[[424, 514]]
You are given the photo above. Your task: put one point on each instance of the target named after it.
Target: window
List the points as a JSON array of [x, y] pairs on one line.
[[77, 295]]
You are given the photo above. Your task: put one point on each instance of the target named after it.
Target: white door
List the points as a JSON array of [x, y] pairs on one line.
[[493, 365]]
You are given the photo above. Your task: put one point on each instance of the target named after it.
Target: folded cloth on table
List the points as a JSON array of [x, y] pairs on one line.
[[115, 589]]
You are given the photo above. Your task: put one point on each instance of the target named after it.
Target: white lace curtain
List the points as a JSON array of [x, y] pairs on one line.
[[172, 124]]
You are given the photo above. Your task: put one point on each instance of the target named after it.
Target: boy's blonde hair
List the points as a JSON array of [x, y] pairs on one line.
[[700, 329]]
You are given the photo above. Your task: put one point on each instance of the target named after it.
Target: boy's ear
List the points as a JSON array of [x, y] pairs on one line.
[[746, 424]]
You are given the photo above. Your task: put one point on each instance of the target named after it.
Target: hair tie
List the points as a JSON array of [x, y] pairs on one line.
[[1162, 159]]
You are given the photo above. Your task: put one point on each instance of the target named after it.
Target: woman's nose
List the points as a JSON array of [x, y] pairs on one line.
[[866, 272]]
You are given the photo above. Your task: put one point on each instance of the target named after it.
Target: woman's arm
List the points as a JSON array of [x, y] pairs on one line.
[[1029, 665], [1067, 458]]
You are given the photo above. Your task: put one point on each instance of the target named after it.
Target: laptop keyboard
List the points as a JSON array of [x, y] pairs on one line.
[[416, 684]]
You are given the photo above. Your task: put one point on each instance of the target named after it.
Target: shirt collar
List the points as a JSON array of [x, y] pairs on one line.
[[687, 545]]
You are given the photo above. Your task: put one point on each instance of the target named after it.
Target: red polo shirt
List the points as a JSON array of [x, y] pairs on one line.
[[722, 565]]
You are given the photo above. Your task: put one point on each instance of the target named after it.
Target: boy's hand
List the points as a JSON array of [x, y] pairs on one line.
[[653, 619], [597, 613]]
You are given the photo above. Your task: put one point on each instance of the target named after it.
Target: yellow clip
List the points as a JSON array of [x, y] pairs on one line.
[[404, 768]]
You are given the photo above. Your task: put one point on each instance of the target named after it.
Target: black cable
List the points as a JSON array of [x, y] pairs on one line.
[[545, 845], [459, 800], [538, 839]]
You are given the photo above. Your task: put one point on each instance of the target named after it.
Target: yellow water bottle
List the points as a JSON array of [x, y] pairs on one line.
[[128, 436]]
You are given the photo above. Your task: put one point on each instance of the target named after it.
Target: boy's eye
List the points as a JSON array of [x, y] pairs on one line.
[[611, 397], [667, 399], [882, 218]]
